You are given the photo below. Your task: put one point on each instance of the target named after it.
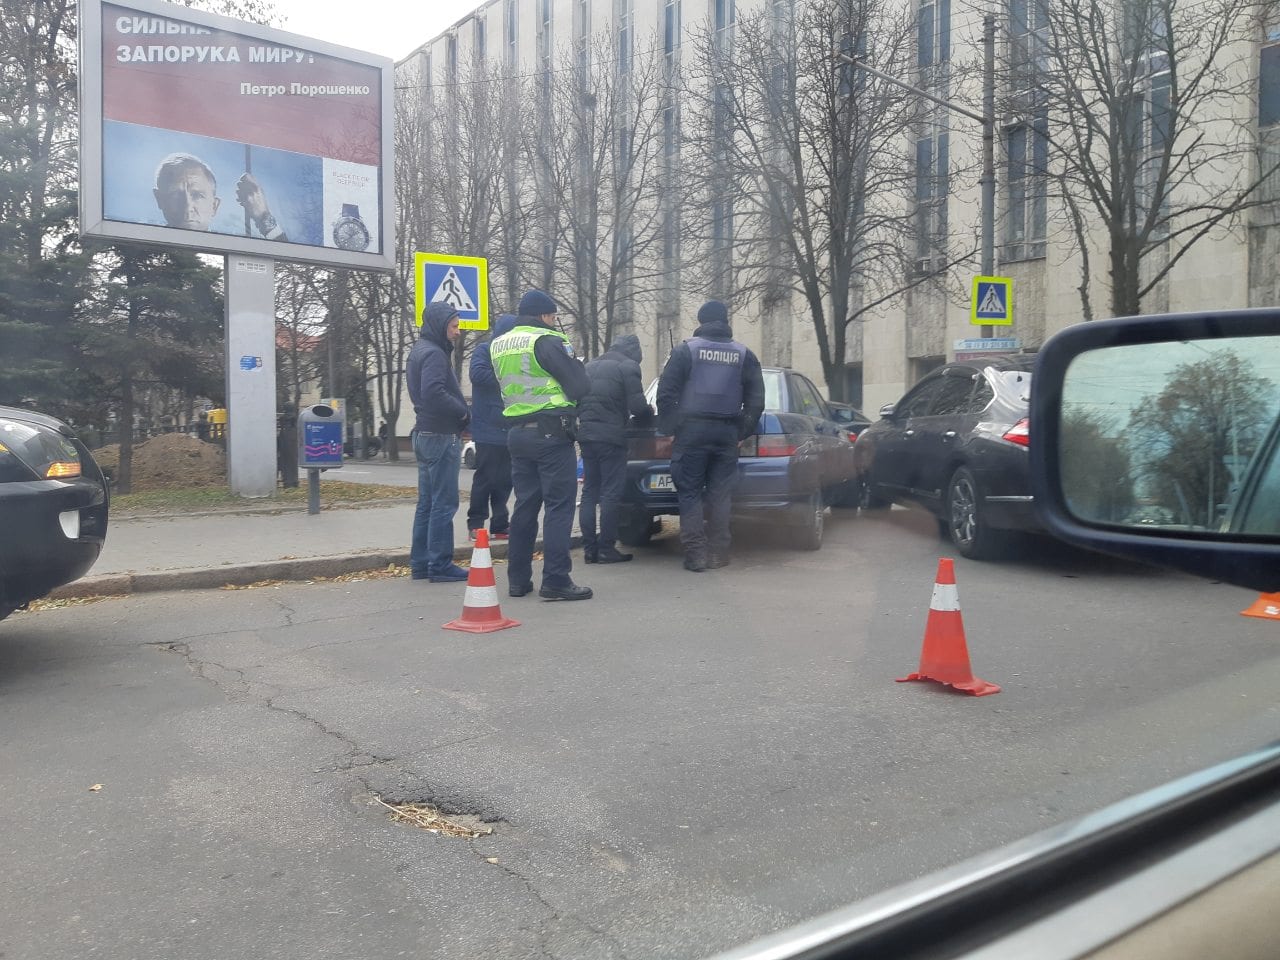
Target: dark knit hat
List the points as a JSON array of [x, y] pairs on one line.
[[535, 303], [713, 311]]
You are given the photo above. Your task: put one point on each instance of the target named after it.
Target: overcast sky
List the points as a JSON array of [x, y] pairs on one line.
[[391, 28]]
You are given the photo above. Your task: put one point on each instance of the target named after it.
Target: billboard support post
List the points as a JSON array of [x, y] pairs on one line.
[[251, 375]]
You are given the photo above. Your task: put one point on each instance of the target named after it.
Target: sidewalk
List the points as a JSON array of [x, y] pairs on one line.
[[211, 550]]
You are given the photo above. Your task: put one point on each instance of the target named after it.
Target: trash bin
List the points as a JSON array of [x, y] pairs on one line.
[[320, 431]]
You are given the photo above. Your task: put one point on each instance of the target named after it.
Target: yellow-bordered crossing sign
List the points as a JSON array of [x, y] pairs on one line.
[[992, 302], [460, 281]]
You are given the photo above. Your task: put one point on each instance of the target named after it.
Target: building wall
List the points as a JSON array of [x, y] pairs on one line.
[[1233, 267]]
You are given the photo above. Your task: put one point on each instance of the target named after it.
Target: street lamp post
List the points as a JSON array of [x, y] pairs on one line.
[[988, 120]]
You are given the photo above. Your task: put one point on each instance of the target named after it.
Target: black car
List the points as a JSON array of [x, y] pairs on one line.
[[849, 417], [957, 444], [799, 462], [53, 507]]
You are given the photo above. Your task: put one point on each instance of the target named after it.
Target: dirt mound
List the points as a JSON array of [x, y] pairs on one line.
[[169, 460]]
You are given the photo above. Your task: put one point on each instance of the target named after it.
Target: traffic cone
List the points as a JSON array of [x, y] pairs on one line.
[[1266, 607], [945, 656], [480, 610]]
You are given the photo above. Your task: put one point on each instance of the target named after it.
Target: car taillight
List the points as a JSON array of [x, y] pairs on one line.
[[1019, 433], [776, 445]]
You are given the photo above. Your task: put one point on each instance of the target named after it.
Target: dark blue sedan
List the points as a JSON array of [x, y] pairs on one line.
[[799, 462]]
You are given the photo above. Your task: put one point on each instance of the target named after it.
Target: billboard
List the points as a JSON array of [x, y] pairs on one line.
[[209, 133]]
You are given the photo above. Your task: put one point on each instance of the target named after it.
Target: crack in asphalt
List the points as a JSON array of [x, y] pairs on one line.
[[235, 684]]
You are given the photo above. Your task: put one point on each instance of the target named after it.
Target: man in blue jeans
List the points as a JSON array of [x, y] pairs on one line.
[[441, 416]]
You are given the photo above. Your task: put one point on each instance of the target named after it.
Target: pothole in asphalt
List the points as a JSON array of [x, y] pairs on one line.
[[424, 816]]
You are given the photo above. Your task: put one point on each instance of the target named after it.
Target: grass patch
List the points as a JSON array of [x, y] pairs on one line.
[[332, 493]]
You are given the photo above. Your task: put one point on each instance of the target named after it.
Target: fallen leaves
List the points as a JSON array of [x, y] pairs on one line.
[[427, 817]]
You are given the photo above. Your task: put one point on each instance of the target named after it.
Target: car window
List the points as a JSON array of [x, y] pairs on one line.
[[953, 397], [919, 401], [1261, 514], [806, 399], [982, 395], [773, 389]]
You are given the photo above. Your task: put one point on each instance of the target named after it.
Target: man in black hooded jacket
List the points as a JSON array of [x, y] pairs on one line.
[[710, 397], [441, 416], [616, 394]]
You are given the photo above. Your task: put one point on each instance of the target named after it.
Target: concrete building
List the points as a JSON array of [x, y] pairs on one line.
[[1039, 243]]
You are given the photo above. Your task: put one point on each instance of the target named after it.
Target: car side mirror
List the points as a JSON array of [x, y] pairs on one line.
[[887, 411], [1158, 439]]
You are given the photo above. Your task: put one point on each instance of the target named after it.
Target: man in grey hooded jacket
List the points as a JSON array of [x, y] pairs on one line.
[[616, 394]]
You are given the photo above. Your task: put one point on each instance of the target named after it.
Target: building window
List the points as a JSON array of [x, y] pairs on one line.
[[1028, 43], [512, 35], [626, 21], [932, 189], [479, 40], [545, 45], [724, 14], [1269, 114], [671, 31], [1026, 179], [451, 59], [582, 38], [933, 35]]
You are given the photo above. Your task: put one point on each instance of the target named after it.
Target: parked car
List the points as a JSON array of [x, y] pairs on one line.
[[956, 444], [53, 507], [849, 417], [798, 463]]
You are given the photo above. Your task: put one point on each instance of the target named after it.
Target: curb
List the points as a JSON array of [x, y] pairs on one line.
[[243, 574]]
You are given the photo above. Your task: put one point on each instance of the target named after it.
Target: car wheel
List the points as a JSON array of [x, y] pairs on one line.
[[809, 522], [635, 528], [963, 521], [847, 494], [469, 459]]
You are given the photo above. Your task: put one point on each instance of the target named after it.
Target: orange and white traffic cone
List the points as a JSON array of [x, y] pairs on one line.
[[1266, 607], [945, 656], [480, 610]]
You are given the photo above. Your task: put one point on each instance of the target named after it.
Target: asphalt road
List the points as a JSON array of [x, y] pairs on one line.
[[683, 763]]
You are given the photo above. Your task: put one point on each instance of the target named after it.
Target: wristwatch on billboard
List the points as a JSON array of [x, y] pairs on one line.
[[269, 227], [349, 231]]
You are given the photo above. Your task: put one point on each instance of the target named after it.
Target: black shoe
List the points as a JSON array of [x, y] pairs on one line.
[[589, 555], [695, 564], [519, 589], [611, 555], [716, 561], [570, 592]]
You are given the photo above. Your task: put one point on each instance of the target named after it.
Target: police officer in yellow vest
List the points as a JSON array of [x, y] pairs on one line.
[[541, 381]]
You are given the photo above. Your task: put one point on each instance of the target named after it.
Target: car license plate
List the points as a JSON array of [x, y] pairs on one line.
[[661, 481]]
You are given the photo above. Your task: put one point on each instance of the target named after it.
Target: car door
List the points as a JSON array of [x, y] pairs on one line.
[[890, 462], [941, 431], [825, 439]]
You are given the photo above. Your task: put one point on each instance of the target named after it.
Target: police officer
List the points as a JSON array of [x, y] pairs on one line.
[[541, 381], [710, 397]]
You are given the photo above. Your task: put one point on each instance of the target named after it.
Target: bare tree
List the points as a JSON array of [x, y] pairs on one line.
[[601, 158], [1212, 412], [1139, 117], [299, 317], [801, 156]]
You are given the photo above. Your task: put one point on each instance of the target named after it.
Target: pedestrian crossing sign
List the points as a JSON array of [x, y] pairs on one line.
[[460, 281], [992, 302]]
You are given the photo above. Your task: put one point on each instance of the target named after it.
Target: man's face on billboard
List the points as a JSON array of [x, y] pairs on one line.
[[185, 196]]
